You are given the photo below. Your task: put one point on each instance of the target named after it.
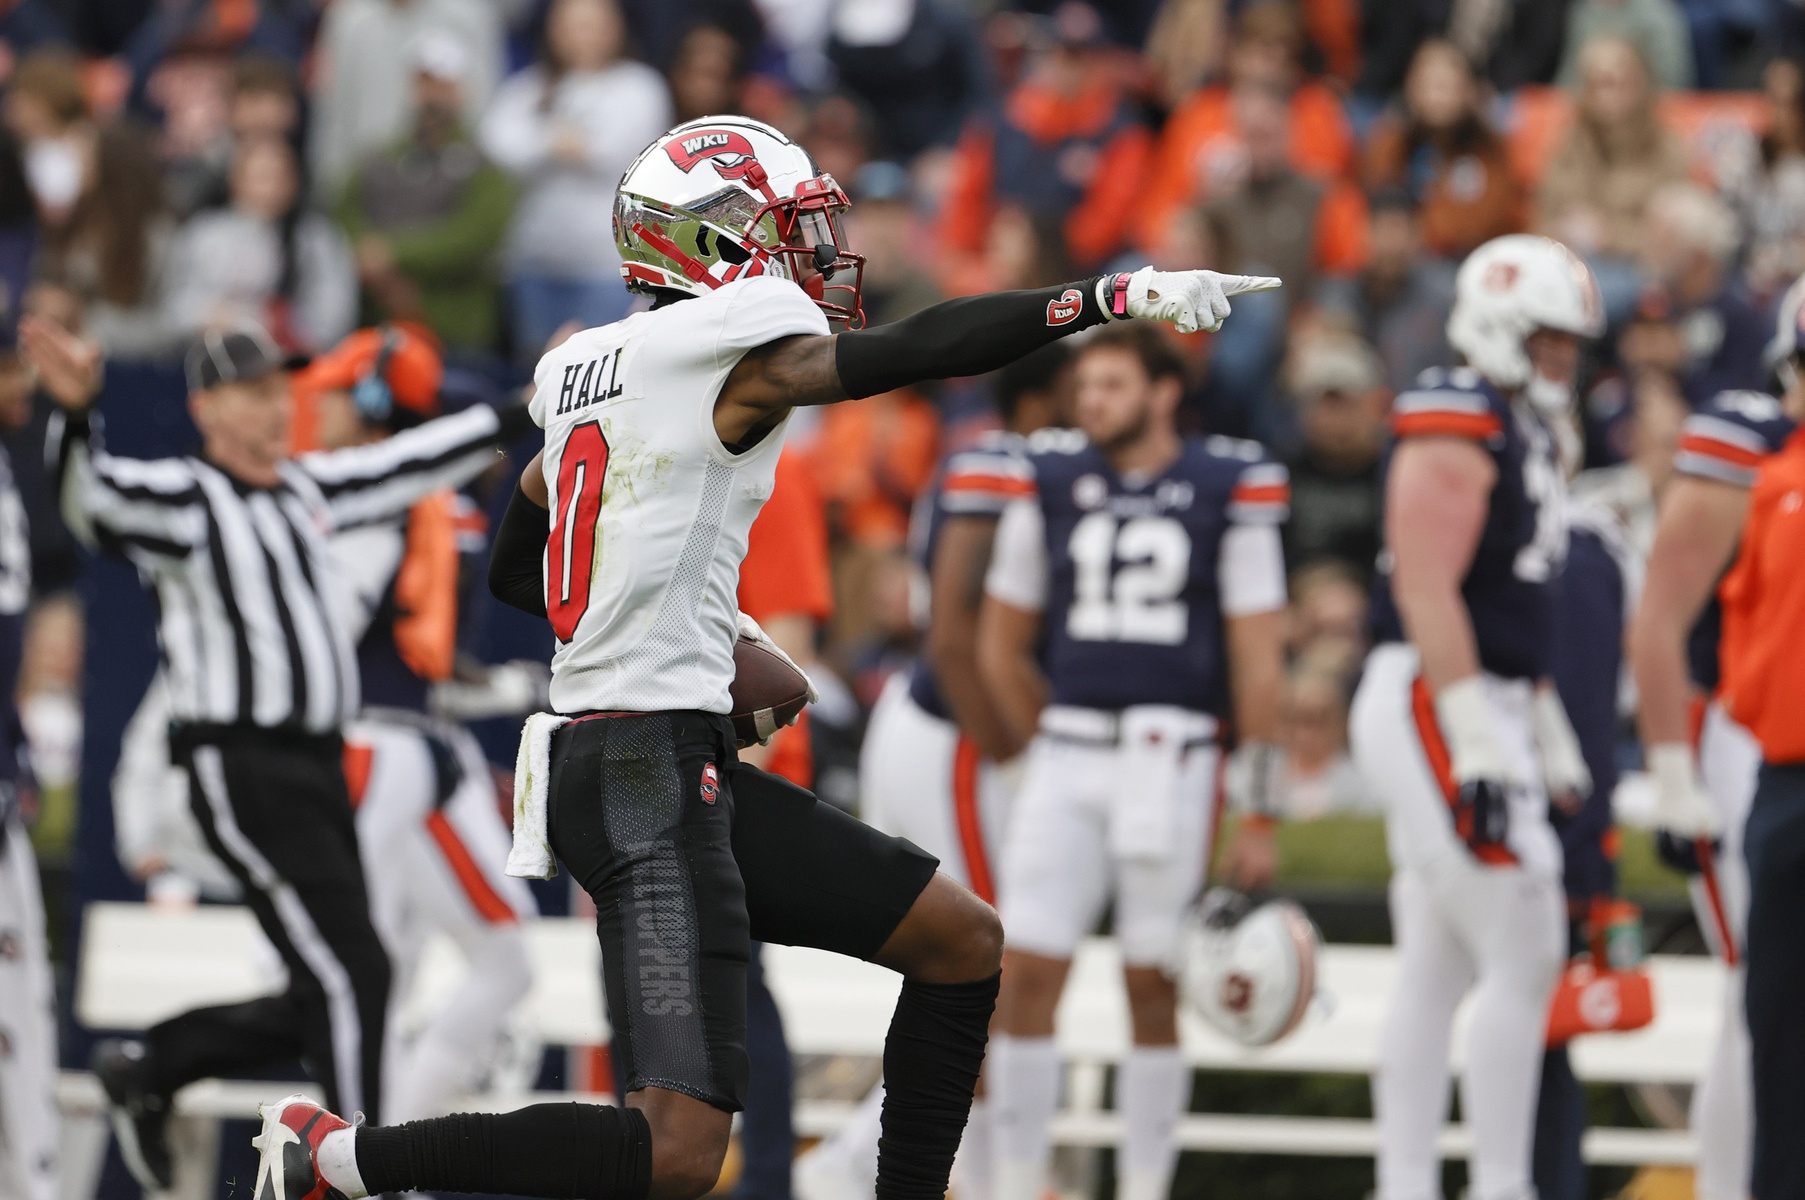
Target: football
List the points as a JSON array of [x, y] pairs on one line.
[[768, 693]]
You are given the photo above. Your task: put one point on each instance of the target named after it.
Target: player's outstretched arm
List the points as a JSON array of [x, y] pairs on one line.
[[968, 336]]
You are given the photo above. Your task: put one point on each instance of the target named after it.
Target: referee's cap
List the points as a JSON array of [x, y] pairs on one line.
[[231, 356]]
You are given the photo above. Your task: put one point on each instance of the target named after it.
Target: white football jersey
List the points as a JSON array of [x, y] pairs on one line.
[[649, 511]]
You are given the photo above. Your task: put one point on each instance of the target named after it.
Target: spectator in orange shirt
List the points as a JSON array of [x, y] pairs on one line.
[[1203, 138], [1065, 146], [1439, 148], [871, 460], [784, 586]]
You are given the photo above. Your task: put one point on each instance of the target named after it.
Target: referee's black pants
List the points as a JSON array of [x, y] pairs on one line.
[[274, 808], [1774, 845]]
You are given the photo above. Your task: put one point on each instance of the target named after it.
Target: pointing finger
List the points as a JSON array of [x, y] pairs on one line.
[[1235, 285]]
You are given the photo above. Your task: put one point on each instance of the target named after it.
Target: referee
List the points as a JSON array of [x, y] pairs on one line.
[[262, 674], [1764, 690]]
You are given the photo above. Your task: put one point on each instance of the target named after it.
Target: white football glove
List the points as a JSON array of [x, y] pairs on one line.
[[750, 629], [1564, 769], [1465, 716], [1186, 300], [1682, 805]]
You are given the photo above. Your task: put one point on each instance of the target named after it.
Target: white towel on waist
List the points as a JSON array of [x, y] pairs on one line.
[[1151, 748], [531, 855]]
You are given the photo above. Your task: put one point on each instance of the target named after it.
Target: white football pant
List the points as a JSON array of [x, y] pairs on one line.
[[1067, 854], [28, 1115], [1459, 926], [1723, 1116], [435, 866]]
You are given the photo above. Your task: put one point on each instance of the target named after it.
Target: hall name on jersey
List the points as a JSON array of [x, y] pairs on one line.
[[587, 383]]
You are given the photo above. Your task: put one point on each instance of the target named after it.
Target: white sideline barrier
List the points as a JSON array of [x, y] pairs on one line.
[[140, 965]]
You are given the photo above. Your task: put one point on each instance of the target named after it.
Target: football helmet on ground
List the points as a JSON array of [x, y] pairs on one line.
[[1249, 968]]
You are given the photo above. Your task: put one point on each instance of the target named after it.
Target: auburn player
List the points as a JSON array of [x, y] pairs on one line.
[[1449, 718], [932, 768], [432, 839], [1682, 658], [1150, 566], [662, 435]]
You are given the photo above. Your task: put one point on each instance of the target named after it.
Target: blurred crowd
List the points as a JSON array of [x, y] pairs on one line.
[[172, 166]]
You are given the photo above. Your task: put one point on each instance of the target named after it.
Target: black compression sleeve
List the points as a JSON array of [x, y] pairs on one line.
[[515, 559], [968, 336]]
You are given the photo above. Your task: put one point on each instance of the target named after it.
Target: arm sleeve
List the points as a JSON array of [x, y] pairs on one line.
[[384, 479], [1250, 570], [1727, 440], [136, 509], [517, 558], [968, 336], [980, 484], [1445, 412], [1018, 559]]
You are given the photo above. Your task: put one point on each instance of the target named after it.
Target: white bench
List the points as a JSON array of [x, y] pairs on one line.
[[141, 964]]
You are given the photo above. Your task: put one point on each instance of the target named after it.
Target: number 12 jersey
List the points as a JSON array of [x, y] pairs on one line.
[[649, 511], [1135, 575]]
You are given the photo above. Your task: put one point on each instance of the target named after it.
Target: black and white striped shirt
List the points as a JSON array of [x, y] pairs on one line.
[[252, 620]]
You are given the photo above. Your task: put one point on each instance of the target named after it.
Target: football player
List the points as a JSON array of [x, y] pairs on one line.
[[938, 757], [1681, 660], [432, 840], [662, 435], [1449, 720], [1151, 567]]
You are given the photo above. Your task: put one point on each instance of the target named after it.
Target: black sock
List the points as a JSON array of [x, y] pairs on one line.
[[931, 1060], [558, 1151]]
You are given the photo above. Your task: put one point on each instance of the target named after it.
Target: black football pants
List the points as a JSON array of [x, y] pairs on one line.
[[274, 808], [1774, 845]]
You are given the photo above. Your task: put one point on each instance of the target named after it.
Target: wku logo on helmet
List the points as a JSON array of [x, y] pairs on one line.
[[730, 153]]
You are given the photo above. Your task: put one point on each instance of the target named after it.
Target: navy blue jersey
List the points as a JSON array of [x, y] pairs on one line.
[[1133, 612], [1725, 441], [978, 481], [1595, 591], [1508, 587]]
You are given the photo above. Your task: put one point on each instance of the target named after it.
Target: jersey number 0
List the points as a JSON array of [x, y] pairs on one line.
[[571, 549]]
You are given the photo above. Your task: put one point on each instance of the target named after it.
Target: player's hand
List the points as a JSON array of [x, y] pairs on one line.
[[1189, 300], [1251, 858], [1681, 853], [1682, 806], [1564, 769], [66, 365], [1484, 776], [752, 631], [1482, 816]]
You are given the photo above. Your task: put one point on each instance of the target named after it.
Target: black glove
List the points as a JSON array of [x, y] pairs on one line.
[[1679, 851], [1482, 813]]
